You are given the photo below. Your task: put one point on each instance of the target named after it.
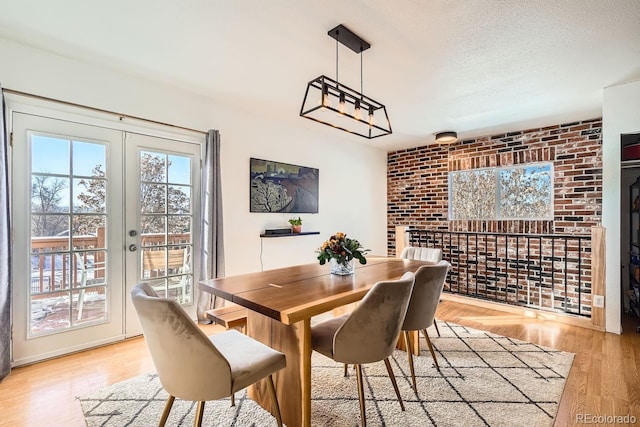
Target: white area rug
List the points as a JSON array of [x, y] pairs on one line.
[[484, 379]]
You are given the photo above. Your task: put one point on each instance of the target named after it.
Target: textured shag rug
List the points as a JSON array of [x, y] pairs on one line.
[[484, 379]]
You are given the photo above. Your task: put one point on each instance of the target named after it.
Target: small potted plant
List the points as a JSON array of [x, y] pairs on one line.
[[296, 224]]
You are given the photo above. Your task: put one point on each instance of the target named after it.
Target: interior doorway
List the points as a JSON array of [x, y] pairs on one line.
[[630, 232]]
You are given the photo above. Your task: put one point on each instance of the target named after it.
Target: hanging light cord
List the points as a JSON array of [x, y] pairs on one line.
[[361, 90], [337, 37]]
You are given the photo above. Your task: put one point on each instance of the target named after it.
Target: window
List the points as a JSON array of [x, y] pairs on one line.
[[508, 193]]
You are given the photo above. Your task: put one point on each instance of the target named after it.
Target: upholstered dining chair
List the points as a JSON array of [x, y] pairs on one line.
[[192, 366], [369, 333], [429, 281], [423, 254]]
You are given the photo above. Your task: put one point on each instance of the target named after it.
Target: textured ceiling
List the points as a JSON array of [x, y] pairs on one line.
[[473, 66]]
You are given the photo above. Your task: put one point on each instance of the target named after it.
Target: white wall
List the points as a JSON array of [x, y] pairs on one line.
[[352, 172], [620, 114]]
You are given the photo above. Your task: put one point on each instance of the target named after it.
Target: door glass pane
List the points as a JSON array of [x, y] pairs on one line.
[[179, 198], [165, 217], [179, 168], [49, 155], [49, 194], [88, 231], [49, 232], [65, 266], [88, 159], [153, 167], [179, 227], [153, 198], [89, 194]]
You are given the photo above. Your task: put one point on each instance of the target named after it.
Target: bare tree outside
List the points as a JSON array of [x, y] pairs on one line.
[[526, 192], [157, 199], [91, 200], [473, 194], [516, 192], [46, 201]]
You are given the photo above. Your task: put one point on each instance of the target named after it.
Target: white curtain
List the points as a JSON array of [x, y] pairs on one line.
[[212, 241], [5, 249]]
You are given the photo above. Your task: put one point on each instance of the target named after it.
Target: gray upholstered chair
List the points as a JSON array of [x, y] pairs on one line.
[[192, 366], [429, 280], [369, 333], [423, 254]]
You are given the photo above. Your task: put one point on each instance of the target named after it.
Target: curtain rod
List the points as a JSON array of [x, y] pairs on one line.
[[122, 116]]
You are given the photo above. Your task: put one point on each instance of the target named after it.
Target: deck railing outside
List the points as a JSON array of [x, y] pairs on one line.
[[53, 268]]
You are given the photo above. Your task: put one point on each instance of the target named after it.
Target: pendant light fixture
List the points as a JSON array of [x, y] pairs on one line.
[[333, 104]]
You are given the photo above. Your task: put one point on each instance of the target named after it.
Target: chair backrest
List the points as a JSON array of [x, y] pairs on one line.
[[425, 296], [422, 254], [175, 261], [370, 332], [189, 365]]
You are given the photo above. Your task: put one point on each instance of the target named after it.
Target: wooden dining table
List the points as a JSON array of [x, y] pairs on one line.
[[281, 303]]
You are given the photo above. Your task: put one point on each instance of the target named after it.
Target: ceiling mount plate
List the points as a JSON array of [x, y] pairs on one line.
[[349, 39]]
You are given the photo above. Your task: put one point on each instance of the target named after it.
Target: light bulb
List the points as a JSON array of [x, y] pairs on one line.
[[371, 119], [357, 114], [342, 108], [325, 97]]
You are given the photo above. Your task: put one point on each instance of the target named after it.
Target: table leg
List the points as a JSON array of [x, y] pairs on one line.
[[293, 383], [415, 342]]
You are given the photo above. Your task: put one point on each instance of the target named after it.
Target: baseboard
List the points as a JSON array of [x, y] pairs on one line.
[[524, 311], [65, 351]]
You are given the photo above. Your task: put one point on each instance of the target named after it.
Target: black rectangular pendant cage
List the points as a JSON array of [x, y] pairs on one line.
[[333, 104]]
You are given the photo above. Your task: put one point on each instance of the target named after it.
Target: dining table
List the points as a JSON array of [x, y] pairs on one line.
[[281, 303]]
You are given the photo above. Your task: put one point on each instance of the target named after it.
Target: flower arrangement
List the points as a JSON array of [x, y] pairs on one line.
[[342, 249]]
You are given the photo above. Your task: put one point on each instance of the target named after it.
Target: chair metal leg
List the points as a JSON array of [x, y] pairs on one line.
[[363, 415], [233, 399], [393, 381], [407, 342], [274, 400], [346, 370], [199, 413], [433, 354], [167, 409], [436, 325]]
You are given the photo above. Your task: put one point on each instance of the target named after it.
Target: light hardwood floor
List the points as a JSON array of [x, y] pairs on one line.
[[604, 379]]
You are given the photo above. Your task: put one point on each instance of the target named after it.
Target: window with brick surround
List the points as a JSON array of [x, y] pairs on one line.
[[502, 193]]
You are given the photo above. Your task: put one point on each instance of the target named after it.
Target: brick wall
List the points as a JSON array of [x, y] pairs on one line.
[[417, 178], [417, 185]]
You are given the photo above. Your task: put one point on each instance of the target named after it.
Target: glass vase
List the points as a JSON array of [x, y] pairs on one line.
[[342, 269]]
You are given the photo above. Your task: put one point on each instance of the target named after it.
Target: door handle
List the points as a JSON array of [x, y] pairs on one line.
[[133, 247]]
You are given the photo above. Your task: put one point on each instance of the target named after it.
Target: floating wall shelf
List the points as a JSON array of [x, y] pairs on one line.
[[302, 233]]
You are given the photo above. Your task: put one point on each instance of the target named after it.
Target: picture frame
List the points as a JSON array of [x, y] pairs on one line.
[[282, 187]]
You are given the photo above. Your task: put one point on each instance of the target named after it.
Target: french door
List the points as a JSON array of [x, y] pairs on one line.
[[96, 210], [162, 219]]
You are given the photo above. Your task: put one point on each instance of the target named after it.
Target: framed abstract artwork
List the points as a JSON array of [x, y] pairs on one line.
[[282, 187]]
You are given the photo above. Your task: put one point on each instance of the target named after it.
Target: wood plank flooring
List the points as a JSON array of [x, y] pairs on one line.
[[604, 379]]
